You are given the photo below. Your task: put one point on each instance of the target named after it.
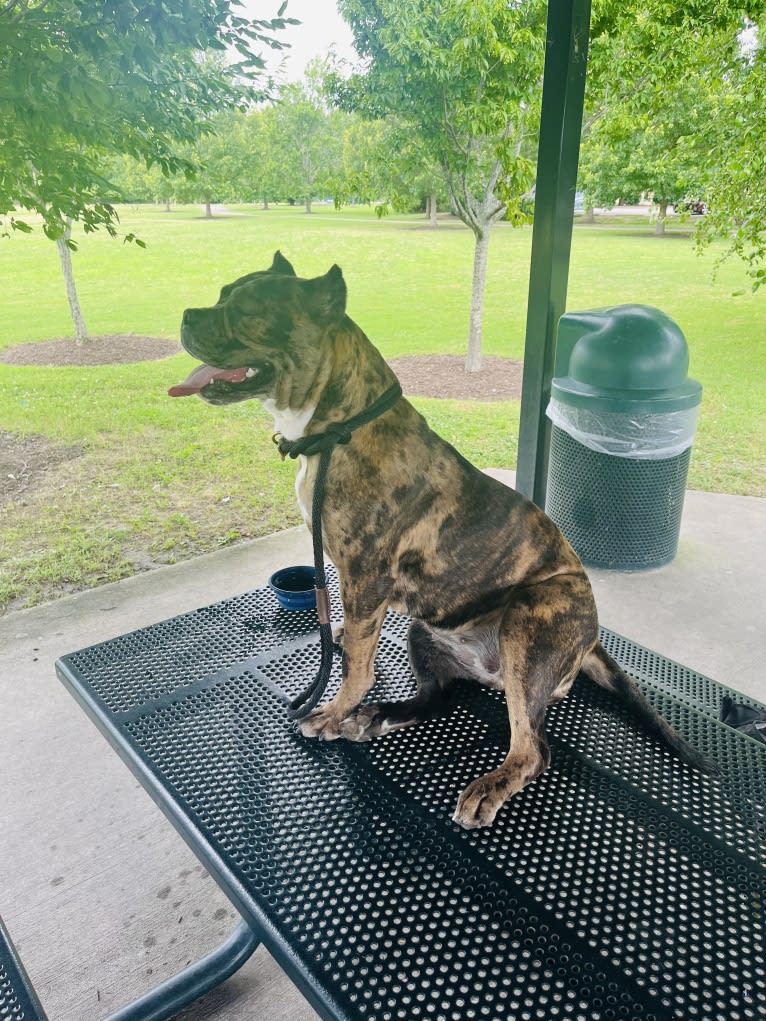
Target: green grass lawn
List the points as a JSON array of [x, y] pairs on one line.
[[157, 479]]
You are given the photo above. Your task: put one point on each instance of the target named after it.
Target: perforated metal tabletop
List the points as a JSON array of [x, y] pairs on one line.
[[620, 884]]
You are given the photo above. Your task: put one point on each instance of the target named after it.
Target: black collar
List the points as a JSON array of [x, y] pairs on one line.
[[338, 432]]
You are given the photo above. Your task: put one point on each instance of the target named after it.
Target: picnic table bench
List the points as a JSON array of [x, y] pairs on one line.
[[18, 999], [620, 884]]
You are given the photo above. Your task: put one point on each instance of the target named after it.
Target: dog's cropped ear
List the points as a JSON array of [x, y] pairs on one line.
[[281, 265], [328, 295]]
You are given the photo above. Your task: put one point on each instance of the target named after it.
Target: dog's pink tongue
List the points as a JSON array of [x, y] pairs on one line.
[[203, 375]]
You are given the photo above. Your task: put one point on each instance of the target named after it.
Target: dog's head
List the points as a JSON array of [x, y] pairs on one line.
[[263, 337]]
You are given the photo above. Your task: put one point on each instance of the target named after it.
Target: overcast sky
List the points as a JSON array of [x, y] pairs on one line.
[[320, 27]]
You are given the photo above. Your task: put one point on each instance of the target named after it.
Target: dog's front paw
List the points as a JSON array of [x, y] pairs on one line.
[[481, 800], [321, 723], [337, 636]]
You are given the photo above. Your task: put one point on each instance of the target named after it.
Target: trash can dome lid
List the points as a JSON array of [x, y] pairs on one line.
[[623, 347]]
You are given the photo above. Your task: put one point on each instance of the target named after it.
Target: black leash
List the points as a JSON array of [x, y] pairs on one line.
[[324, 444]]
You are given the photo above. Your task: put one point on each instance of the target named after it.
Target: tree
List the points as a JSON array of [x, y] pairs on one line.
[[660, 150], [644, 57], [82, 81], [384, 163], [308, 140], [736, 197], [79, 80], [465, 75], [366, 147], [220, 158], [260, 176]]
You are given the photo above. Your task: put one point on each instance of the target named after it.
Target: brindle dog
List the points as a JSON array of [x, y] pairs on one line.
[[494, 590]]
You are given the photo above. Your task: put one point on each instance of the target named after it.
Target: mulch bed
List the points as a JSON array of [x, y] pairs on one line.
[[442, 376], [112, 349]]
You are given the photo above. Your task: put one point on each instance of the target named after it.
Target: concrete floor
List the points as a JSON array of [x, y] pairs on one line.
[[101, 896]]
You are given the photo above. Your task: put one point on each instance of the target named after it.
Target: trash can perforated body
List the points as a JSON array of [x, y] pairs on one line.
[[624, 416]]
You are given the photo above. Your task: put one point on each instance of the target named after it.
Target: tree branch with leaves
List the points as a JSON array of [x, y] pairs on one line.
[[463, 74], [81, 82]]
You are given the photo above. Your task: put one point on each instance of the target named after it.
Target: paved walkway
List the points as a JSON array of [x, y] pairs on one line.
[[100, 894]]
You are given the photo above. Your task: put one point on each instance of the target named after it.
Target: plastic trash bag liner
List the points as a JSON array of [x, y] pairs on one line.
[[649, 437]]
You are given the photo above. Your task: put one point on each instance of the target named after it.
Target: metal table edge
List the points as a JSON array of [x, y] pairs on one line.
[[195, 839], [727, 689], [21, 984]]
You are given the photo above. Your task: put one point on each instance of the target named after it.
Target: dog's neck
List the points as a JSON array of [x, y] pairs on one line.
[[351, 374], [358, 376]]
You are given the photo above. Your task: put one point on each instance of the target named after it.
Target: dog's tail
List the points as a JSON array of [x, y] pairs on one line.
[[599, 666]]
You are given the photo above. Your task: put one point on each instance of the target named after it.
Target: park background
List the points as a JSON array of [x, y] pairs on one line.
[[105, 476]]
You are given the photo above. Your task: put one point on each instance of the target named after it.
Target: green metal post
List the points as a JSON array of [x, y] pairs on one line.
[[560, 126]]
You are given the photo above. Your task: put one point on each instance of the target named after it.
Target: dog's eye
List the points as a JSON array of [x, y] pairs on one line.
[[239, 320]]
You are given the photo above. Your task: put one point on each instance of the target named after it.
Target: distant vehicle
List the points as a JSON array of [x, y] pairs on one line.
[[694, 206], [528, 202]]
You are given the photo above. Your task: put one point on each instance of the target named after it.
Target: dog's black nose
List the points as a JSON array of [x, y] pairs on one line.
[[196, 320]]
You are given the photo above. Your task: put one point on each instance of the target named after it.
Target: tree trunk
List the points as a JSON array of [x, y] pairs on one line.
[[589, 216], [167, 205], [65, 255], [308, 203], [208, 210], [662, 212], [265, 202], [481, 251], [433, 222]]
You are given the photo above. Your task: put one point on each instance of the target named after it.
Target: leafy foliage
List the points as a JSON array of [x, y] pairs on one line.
[[306, 140], [657, 146], [737, 195], [675, 95], [385, 163], [80, 80], [463, 76]]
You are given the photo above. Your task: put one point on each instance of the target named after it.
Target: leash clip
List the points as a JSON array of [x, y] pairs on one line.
[[277, 438]]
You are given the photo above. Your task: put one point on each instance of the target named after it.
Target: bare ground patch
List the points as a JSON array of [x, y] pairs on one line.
[[25, 461], [444, 376], [109, 349]]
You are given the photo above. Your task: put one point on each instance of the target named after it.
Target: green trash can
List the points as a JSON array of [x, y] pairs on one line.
[[623, 416]]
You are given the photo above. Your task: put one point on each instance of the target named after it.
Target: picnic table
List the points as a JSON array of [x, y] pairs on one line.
[[620, 884]]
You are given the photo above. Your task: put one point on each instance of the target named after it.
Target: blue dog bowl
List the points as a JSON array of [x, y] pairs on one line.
[[294, 587]]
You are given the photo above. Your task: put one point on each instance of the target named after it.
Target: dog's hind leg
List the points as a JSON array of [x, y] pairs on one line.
[[433, 668], [544, 634]]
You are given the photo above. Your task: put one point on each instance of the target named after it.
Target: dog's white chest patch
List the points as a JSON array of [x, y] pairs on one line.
[[290, 424], [304, 486]]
